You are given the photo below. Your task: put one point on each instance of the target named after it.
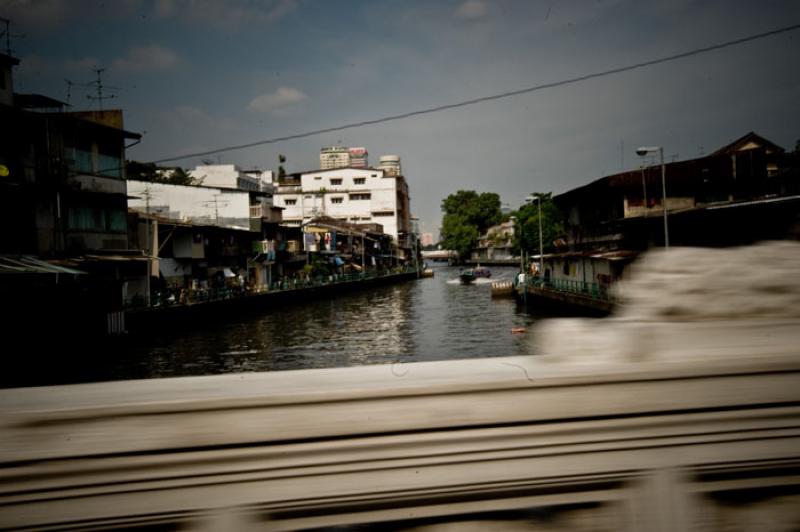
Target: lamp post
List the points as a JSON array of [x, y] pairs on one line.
[[644, 151], [541, 240]]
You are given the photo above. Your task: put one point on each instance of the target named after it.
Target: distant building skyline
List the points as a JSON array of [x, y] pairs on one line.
[[343, 157], [423, 55]]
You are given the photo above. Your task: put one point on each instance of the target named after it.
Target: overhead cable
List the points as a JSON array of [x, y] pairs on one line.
[[500, 96]]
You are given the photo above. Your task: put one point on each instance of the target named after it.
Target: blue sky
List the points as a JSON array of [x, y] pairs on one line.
[[203, 74]]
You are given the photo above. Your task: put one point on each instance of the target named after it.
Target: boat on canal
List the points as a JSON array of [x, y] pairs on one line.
[[469, 275]]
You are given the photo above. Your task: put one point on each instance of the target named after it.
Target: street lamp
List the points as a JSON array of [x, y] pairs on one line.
[[641, 152], [541, 247]]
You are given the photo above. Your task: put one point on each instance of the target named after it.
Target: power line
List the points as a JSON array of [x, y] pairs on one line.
[[465, 103]]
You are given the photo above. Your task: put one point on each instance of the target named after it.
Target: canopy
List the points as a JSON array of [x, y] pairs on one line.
[[28, 264]]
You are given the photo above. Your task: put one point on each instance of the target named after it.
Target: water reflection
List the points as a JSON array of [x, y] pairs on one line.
[[421, 320]]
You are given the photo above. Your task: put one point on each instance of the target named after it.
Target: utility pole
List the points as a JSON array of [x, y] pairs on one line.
[[216, 204], [148, 253], [644, 191]]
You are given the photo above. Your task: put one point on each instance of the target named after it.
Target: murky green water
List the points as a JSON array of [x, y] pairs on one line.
[[427, 319]]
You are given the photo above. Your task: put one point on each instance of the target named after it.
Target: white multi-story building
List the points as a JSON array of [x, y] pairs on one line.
[[221, 206], [390, 164], [334, 157], [231, 176], [358, 158], [356, 195]]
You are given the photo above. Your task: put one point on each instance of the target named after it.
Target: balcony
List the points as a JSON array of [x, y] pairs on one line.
[[96, 183]]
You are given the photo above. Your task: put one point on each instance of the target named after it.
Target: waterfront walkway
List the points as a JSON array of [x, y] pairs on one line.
[[590, 296], [182, 297], [208, 304]]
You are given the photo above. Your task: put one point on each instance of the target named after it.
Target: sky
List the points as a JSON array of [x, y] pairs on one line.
[[196, 75]]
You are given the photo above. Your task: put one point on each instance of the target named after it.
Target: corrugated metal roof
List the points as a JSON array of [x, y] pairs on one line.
[[26, 264]]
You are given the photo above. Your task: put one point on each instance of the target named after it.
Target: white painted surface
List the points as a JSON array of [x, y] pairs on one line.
[[336, 193], [201, 205]]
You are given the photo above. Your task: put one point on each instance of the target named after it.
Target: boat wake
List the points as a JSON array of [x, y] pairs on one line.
[[480, 280]]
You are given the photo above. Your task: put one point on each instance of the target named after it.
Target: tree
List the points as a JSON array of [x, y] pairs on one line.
[[179, 176], [137, 171], [467, 215], [281, 169], [458, 234], [526, 236]]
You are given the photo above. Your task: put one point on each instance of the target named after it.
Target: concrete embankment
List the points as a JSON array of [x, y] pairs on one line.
[[559, 299], [140, 320]]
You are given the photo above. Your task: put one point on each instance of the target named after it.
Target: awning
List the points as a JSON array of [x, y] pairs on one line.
[[316, 229], [28, 264], [115, 258]]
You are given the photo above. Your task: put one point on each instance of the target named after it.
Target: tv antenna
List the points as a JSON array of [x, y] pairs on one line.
[[5, 32], [98, 83], [216, 204], [72, 85]]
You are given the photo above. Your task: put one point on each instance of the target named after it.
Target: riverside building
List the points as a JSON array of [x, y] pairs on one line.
[[354, 195]]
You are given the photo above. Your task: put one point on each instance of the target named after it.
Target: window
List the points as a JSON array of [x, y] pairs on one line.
[[117, 220], [360, 196], [374, 175], [359, 180], [291, 202], [317, 177], [337, 200], [384, 213], [96, 219], [336, 181]]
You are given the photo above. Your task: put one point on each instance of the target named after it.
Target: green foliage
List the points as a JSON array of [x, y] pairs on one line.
[[467, 215], [179, 176], [150, 172], [137, 171], [526, 235], [481, 210], [281, 169], [458, 234]]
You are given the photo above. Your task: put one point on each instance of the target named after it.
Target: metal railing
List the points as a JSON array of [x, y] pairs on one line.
[[593, 290], [179, 297]]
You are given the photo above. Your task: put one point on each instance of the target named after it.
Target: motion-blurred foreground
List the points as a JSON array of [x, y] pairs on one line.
[[681, 412]]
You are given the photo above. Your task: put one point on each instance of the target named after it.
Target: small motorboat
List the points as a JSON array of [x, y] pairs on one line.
[[468, 276]]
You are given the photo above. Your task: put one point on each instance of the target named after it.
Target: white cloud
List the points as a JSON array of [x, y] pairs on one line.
[[144, 58], [275, 101], [472, 9]]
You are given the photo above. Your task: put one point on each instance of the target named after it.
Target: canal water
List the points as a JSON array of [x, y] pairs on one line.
[[427, 319], [420, 320]]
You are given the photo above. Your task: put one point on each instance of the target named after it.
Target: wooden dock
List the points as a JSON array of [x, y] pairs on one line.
[[502, 289]]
